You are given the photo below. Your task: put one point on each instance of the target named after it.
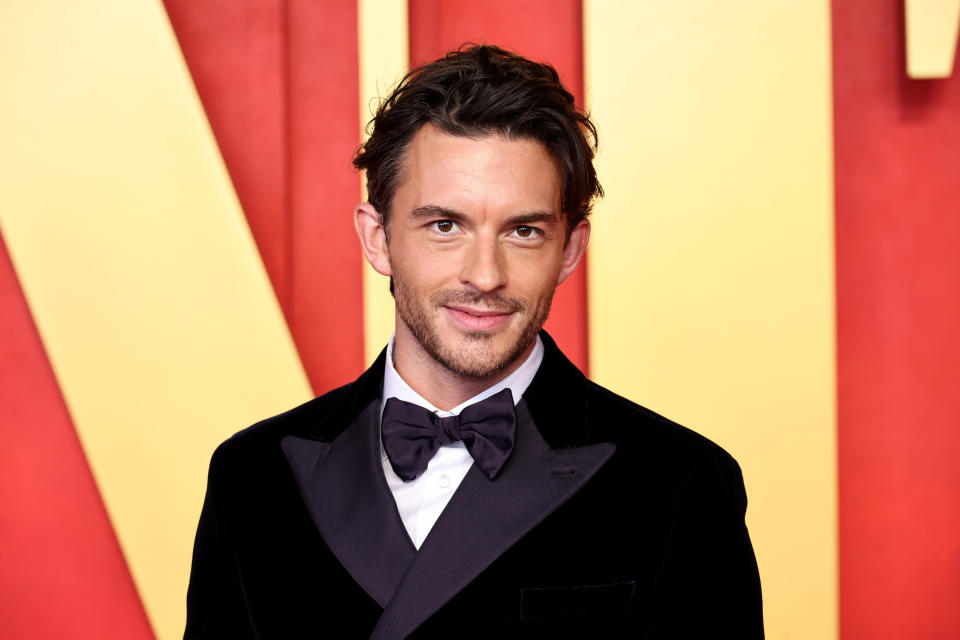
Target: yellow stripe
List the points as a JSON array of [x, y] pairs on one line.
[[384, 56], [711, 263], [932, 29], [139, 268]]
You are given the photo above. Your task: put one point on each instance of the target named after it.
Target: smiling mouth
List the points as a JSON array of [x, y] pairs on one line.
[[480, 313], [478, 319]]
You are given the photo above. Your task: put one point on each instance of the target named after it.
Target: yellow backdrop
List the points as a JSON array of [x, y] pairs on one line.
[[141, 274], [711, 261]]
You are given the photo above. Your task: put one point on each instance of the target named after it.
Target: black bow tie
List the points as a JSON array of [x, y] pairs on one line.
[[412, 434]]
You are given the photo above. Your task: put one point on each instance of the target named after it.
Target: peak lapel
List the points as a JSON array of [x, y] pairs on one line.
[[484, 519], [346, 494]]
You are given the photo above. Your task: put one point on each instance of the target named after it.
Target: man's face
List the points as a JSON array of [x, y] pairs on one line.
[[476, 247]]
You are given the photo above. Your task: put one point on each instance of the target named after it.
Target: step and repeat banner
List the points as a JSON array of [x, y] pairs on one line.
[[774, 264]]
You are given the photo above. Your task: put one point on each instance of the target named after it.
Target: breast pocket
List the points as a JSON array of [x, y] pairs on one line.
[[576, 602]]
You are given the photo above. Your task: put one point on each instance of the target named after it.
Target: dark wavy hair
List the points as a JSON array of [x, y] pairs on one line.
[[476, 91]]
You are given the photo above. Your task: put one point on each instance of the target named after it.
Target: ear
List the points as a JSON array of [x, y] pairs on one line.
[[373, 237], [573, 251]]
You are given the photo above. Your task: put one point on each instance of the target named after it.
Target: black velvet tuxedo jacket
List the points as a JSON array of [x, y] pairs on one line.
[[607, 521]]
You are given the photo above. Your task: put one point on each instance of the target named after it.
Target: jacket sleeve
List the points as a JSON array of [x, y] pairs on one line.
[[215, 603], [710, 586]]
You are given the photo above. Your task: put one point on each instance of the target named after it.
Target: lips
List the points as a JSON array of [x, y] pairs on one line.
[[478, 319]]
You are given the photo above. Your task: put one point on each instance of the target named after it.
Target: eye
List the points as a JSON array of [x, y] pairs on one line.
[[445, 226], [526, 232]]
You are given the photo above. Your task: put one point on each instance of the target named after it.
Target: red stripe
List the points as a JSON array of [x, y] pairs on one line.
[[62, 574], [324, 90], [236, 52], [898, 278], [279, 83], [546, 30]]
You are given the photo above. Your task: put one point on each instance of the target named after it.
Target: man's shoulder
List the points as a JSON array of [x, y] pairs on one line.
[[641, 433], [575, 410], [265, 435]]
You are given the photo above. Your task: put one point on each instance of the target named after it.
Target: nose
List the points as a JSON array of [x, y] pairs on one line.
[[483, 264]]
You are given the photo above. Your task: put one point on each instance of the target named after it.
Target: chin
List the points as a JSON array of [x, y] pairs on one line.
[[481, 354]]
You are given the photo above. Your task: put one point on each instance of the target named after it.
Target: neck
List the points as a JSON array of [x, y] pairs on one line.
[[441, 387]]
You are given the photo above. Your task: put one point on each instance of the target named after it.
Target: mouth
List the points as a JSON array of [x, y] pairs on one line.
[[472, 319]]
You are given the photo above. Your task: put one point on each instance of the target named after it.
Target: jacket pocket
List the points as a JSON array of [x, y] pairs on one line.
[[553, 603]]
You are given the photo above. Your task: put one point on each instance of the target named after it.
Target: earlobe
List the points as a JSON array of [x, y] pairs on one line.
[[373, 237], [574, 250]]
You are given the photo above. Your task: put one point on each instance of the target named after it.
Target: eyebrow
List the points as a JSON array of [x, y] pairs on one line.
[[434, 211], [534, 216]]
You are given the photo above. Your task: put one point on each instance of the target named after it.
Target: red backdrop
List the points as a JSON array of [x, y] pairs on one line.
[[898, 332]]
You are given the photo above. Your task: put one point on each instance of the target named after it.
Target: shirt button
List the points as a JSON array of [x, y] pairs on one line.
[[443, 482]]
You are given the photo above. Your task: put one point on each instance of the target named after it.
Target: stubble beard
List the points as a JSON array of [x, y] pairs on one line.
[[475, 359]]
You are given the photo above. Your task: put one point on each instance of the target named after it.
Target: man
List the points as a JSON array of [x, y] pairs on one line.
[[472, 483]]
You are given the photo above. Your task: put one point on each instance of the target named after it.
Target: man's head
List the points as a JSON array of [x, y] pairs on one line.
[[480, 179], [477, 92]]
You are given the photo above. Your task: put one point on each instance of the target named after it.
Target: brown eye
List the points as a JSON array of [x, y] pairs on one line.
[[524, 232], [445, 226]]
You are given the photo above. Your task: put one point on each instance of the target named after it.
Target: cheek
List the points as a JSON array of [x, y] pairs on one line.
[[536, 278], [424, 273]]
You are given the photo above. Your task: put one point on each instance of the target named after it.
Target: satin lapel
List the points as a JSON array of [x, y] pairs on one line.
[[485, 518], [346, 494]]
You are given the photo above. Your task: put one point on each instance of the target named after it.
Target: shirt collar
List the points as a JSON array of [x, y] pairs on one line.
[[396, 387]]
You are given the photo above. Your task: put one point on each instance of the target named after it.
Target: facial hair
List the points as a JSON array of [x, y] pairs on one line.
[[474, 360]]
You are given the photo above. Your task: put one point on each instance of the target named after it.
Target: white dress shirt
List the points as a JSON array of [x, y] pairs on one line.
[[422, 500]]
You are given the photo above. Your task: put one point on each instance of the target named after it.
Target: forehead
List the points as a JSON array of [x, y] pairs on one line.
[[487, 174]]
